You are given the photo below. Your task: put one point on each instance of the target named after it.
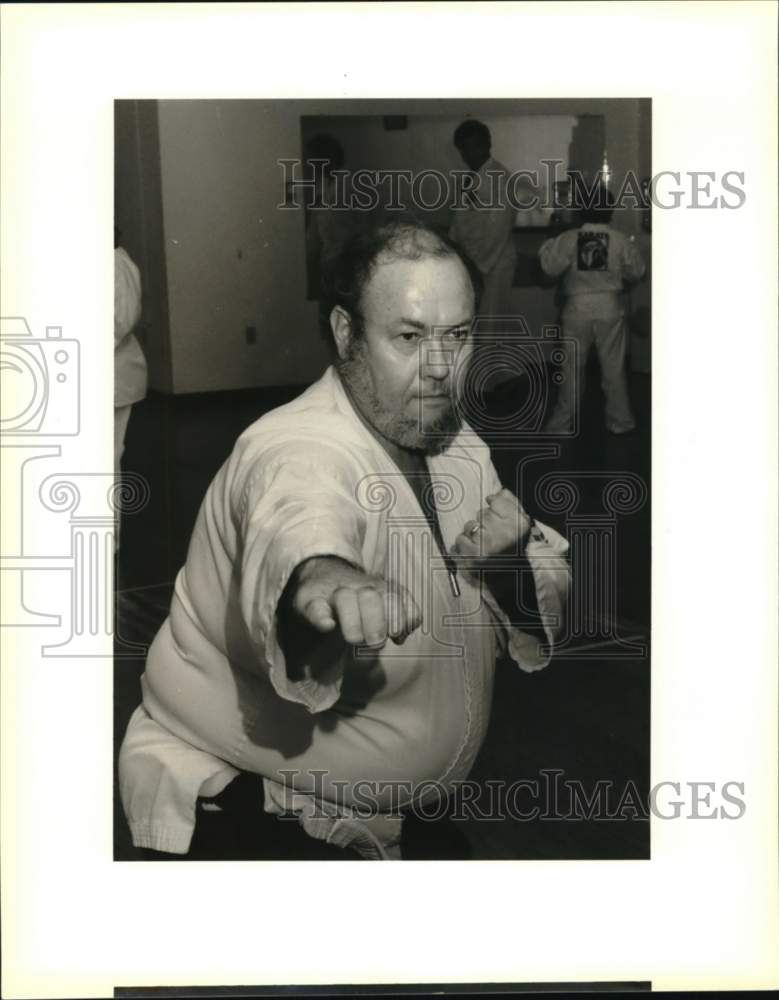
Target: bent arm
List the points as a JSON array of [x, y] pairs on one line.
[[531, 619], [528, 597], [633, 266], [555, 256]]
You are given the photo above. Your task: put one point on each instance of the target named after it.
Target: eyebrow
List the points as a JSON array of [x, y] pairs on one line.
[[416, 325]]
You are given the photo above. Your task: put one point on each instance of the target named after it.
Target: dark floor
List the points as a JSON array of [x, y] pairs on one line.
[[586, 717]]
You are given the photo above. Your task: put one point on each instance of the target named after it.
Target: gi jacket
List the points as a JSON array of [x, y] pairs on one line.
[[309, 479]]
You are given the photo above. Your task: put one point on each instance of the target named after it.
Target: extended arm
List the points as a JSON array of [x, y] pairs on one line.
[[305, 595], [326, 594]]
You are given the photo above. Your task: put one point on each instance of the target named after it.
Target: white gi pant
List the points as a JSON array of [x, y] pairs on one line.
[[594, 320]]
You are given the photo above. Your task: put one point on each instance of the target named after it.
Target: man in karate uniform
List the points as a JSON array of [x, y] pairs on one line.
[[333, 630], [483, 226], [594, 262], [130, 371]]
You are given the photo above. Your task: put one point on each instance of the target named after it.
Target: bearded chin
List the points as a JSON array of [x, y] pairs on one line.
[[413, 433], [436, 437]]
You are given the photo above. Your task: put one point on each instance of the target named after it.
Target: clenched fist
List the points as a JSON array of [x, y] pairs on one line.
[[499, 528], [327, 592]]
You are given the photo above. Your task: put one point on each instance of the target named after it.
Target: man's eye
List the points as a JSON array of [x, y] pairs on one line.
[[409, 337], [460, 334]]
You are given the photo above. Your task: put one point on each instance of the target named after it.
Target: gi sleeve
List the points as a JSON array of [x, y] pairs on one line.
[[545, 552], [292, 509], [127, 295], [633, 265], [555, 255]]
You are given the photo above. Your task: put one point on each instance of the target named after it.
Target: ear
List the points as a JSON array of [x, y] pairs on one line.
[[341, 325]]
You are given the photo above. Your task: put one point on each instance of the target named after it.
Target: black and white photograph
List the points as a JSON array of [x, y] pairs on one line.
[[434, 521], [387, 374]]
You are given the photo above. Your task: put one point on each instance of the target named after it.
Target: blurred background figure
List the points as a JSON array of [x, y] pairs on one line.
[[483, 227], [329, 226], [130, 374], [330, 222], [595, 262]]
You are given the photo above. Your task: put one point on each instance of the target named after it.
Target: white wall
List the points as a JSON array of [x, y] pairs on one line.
[[234, 260], [518, 142]]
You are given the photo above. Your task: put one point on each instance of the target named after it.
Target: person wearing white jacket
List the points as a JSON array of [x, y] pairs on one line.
[[594, 261], [484, 225], [130, 372], [333, 628]]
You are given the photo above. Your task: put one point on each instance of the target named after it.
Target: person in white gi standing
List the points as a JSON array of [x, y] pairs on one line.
[[362, 512], [130, 372], [483, 226], [595, 261]]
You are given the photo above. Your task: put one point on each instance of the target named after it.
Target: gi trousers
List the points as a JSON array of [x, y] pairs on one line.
[[607, 332], [241, 831]]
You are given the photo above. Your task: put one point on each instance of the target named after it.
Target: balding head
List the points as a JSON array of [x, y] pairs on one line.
[[397, 240]]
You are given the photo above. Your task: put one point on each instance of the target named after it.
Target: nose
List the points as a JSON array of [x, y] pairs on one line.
[[437, 360]]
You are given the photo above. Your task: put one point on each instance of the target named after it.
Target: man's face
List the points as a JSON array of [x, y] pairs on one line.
[[417, 316]]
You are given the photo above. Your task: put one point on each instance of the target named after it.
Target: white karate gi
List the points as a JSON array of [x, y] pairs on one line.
[[130, 373], [595, 260], [309, 479], [486, 235]]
